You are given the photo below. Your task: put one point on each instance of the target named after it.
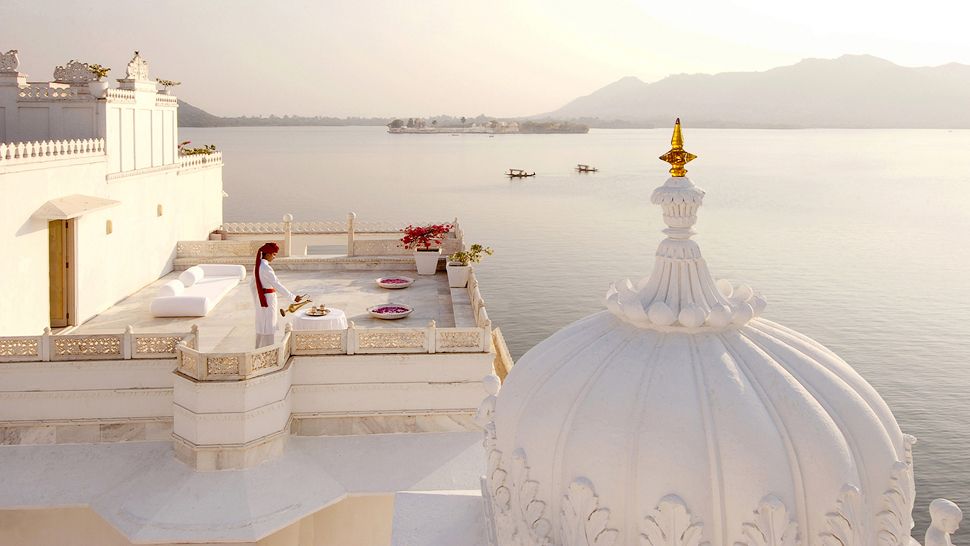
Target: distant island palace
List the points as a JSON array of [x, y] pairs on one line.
[[135, 409]]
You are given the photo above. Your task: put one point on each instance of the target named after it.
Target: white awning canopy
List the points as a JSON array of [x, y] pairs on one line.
[[72, 206]]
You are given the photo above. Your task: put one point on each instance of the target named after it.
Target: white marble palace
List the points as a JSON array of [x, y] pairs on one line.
[[135, 409]]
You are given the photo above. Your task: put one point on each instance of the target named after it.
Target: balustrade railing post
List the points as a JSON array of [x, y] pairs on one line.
[[459, 235], [287, 234], [246, 365], [287, 347], [351, 338], [431, 334], [487, 337], [127, 342], [194, 344], [45, 345], [351, 220]]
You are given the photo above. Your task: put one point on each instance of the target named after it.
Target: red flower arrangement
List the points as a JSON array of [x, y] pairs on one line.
[[422, 237]]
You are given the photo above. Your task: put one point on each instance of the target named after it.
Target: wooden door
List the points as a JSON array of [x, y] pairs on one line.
[[61, 248]]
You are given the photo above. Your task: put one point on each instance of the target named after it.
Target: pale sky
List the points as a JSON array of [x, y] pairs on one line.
[[459, 57]]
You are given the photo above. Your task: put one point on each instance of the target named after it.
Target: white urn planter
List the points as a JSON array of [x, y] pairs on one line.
[[427, 261], [97, 88], [458, 274]]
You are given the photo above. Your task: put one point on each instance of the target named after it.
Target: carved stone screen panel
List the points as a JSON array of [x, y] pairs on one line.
[[391, 341], [93, 347], [155, 346], [223, 365], [319, 343], [458, 341], [19, 349]]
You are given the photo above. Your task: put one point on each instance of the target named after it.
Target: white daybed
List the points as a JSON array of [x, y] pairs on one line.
[[197, 290]]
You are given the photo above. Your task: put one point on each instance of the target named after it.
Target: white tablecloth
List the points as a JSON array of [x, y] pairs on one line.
[[334, 320]]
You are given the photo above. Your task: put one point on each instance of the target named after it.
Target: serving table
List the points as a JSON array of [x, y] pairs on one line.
[[336, 319]]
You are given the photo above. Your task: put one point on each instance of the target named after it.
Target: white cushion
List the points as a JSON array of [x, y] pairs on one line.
[[207, 285], [171, 288], [214, 289], [224, 270], [181, 306], [192, 275]]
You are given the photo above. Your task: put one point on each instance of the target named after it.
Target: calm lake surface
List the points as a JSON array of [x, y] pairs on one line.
[[858, 238]]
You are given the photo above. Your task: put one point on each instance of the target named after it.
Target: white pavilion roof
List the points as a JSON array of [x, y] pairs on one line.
[[680, 412]]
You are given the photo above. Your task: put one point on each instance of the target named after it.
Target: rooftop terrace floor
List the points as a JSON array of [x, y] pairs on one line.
[[230, 326]]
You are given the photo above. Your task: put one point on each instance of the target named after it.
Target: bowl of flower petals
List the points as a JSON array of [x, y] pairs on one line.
[[390, 311], [395, 283]]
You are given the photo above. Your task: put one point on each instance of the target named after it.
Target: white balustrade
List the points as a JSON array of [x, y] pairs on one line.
[[50, 149], [166, 100], [120, 95], [44, 93], [318, 227], [234, 366], [199, 161], [75, 347]]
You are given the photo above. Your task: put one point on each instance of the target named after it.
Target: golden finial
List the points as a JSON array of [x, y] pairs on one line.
[[677, 156]]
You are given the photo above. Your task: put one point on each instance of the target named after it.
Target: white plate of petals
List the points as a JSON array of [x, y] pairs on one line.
[[390, 311], [395, 283]]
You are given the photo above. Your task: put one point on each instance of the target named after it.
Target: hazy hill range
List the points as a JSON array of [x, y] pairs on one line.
[[851, 91], [193, 116]]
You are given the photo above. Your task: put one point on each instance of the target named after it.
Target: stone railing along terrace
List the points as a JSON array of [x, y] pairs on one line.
[[22, 152], [120, 95], [199, 160], [229, 366], [124, 346], [47, 93], [240, 240]]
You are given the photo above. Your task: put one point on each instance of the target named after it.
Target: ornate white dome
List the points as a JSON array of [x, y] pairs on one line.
[[680, 418]]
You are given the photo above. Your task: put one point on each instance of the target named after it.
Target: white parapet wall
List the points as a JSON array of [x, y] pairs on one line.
[[154, 211], [107, 165]]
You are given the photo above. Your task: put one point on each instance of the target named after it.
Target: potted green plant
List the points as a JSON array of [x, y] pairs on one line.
[[459, 264], [99, 85], [206, 149], [166, 84], [425, 241]]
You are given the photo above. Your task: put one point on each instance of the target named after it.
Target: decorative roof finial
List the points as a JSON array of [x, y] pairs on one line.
[[677, 156], [681, 293]]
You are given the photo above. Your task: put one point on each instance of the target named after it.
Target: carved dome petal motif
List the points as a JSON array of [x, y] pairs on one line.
[[671, 524], [582, 522], [896, 518], [528, 509], [772, 525], [846, 525]]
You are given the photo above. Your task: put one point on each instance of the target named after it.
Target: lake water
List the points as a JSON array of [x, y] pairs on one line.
[[858, 238]]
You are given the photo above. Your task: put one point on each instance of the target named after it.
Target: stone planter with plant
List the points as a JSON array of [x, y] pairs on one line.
[[459, 264], [421, 239], [166, 84], [99, 85]]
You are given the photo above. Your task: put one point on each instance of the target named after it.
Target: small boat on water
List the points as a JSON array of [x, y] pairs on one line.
[[586, 168], [518, 173]]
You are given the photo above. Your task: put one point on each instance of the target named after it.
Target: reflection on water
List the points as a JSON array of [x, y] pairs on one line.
[[859, 239]]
